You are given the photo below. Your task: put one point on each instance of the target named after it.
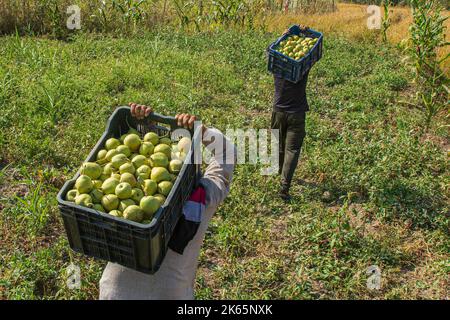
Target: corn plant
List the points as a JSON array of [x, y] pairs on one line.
[[427, 35], [186, 13], [386, 19], [308, 6], [102, 15], [130, 10], [216, 13], [229, 12]]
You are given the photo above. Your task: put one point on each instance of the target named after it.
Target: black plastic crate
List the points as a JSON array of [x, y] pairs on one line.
[[137, 246], [287, 68]]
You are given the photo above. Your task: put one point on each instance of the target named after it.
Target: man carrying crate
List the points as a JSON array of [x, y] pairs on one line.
[[176, 276], [288, 116]]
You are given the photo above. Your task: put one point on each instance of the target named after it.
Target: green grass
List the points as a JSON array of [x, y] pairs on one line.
[[369, 188]]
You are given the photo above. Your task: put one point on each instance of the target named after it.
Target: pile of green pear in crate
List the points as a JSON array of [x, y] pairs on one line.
[[296, 47], [131, 177]]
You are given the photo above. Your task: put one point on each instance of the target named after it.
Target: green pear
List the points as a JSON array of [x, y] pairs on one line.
[[180, 156], [133, 130], [137, 194], [152, 137], [159, 174], [112, 143], [109, 185], [98, 207], [110, 154], [103, 177], [184, 145], [122, 137], [71, 195], [125, 203], [164, 187], [129, 178], [159, 159], [164, 148], [127, 167], [149, 206], [133, 213], [143, 172], [146, 148], [150, 187], [123, 149], [116, 213], [108, 169], [84, 184], [110, 202], [96, 196], [160, 197], [118, 160], [92, 170], [124, 190], [175, 166], [139, 160], [102, 154], [84, 200], [116, 176], [166, 141], [132, 141], [97, 183]]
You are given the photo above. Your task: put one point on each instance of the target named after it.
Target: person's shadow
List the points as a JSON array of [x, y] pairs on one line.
[[420, 207]]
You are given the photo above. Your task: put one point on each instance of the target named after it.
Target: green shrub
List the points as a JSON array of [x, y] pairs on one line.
[[427, 35]]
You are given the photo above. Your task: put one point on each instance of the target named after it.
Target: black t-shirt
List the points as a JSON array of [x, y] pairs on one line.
[[290, 97]]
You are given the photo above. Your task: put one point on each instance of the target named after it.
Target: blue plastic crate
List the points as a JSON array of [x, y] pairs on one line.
[[287, 68]]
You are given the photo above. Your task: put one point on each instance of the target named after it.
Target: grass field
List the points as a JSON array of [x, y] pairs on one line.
[[370, 188]]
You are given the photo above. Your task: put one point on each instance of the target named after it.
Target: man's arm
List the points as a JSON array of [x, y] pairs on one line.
[[219, 173]]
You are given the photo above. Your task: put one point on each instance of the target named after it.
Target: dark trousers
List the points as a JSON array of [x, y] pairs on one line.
[[292, 132]]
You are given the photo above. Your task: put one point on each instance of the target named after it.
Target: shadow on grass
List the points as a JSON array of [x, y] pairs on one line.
[[420, 207]]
